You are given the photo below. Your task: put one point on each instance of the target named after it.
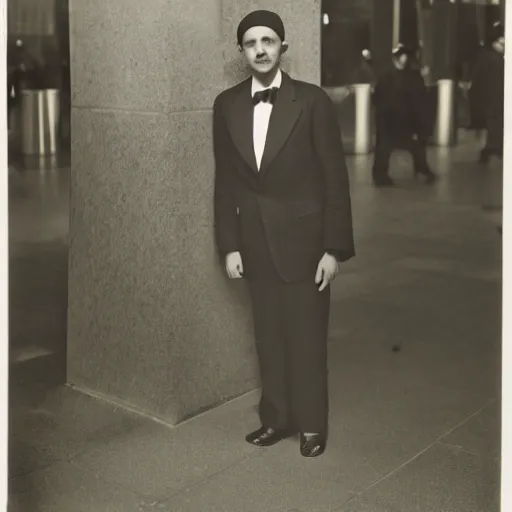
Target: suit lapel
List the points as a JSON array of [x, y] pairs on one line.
[[240, 124], [285, 114]]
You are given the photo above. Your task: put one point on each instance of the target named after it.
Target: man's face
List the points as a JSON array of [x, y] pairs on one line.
[[400, 61], [499, 45], [262, 48]]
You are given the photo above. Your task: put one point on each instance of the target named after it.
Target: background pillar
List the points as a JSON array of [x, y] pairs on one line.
[[444, 38], [445, 19], [153, 322], [344, 39], [383, 31], [409, 23]]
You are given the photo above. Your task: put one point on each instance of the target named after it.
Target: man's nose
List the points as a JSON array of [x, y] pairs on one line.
[[260, 52]]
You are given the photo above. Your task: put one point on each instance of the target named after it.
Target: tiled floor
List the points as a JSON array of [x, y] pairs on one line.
[[414, 370]]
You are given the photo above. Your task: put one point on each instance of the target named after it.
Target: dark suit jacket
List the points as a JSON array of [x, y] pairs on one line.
[[300, 198], [401, 102]]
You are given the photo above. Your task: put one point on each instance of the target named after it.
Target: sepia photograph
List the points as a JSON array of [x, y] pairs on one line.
[[254, 255]]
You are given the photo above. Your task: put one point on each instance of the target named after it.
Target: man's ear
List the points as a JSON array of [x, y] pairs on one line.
[[284, 47]]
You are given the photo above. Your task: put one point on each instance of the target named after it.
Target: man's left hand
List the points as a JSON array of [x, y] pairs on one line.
[[326, 272]]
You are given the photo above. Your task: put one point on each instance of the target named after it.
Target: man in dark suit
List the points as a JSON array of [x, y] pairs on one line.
[[401, 119], [283, 222], [489, 80]]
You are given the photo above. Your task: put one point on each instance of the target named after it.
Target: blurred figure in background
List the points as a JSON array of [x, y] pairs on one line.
[[21, 69], [15, 69], [365, 73], [476, 91], [486, 93], [402, 120]]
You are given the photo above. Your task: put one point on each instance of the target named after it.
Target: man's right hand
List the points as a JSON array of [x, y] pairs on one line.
[[234, 265]]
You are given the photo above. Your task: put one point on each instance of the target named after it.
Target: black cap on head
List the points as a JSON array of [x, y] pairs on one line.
[[402, 49], [260, 18], [496, 32]]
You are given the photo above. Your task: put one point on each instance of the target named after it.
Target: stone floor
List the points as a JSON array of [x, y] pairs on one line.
[[414, 370]]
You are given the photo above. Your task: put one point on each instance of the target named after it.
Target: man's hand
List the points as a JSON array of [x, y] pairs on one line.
[[327, 270], [234, 265]]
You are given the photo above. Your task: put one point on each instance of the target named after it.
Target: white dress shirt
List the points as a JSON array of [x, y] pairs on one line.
[[262, 113]]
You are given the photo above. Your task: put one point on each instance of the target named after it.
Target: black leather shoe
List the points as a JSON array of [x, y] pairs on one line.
[[383, 181], [312, 445], [484, 156], [266, 436], [430, 177]]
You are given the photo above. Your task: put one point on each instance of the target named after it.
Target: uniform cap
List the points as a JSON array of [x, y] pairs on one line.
[[497, 31], [403, 49]]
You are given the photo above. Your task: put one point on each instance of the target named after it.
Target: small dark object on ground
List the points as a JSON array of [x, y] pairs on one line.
[[397, 348]]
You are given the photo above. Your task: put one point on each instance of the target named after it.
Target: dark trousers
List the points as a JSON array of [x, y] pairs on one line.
[[290, 325], [494, 142], [385, 145]]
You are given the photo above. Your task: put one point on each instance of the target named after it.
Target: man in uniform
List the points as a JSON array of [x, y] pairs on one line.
[[402, 121], [283, 222], [489, 75]]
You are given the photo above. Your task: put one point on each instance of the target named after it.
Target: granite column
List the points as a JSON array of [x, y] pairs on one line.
[[153, 322]]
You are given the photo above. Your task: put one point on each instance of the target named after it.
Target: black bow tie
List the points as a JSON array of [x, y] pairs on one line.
[[266, 95]]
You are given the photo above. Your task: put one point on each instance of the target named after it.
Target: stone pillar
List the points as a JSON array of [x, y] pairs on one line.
[[383, 32], [408, 23], [153, 322], [445, 15]]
